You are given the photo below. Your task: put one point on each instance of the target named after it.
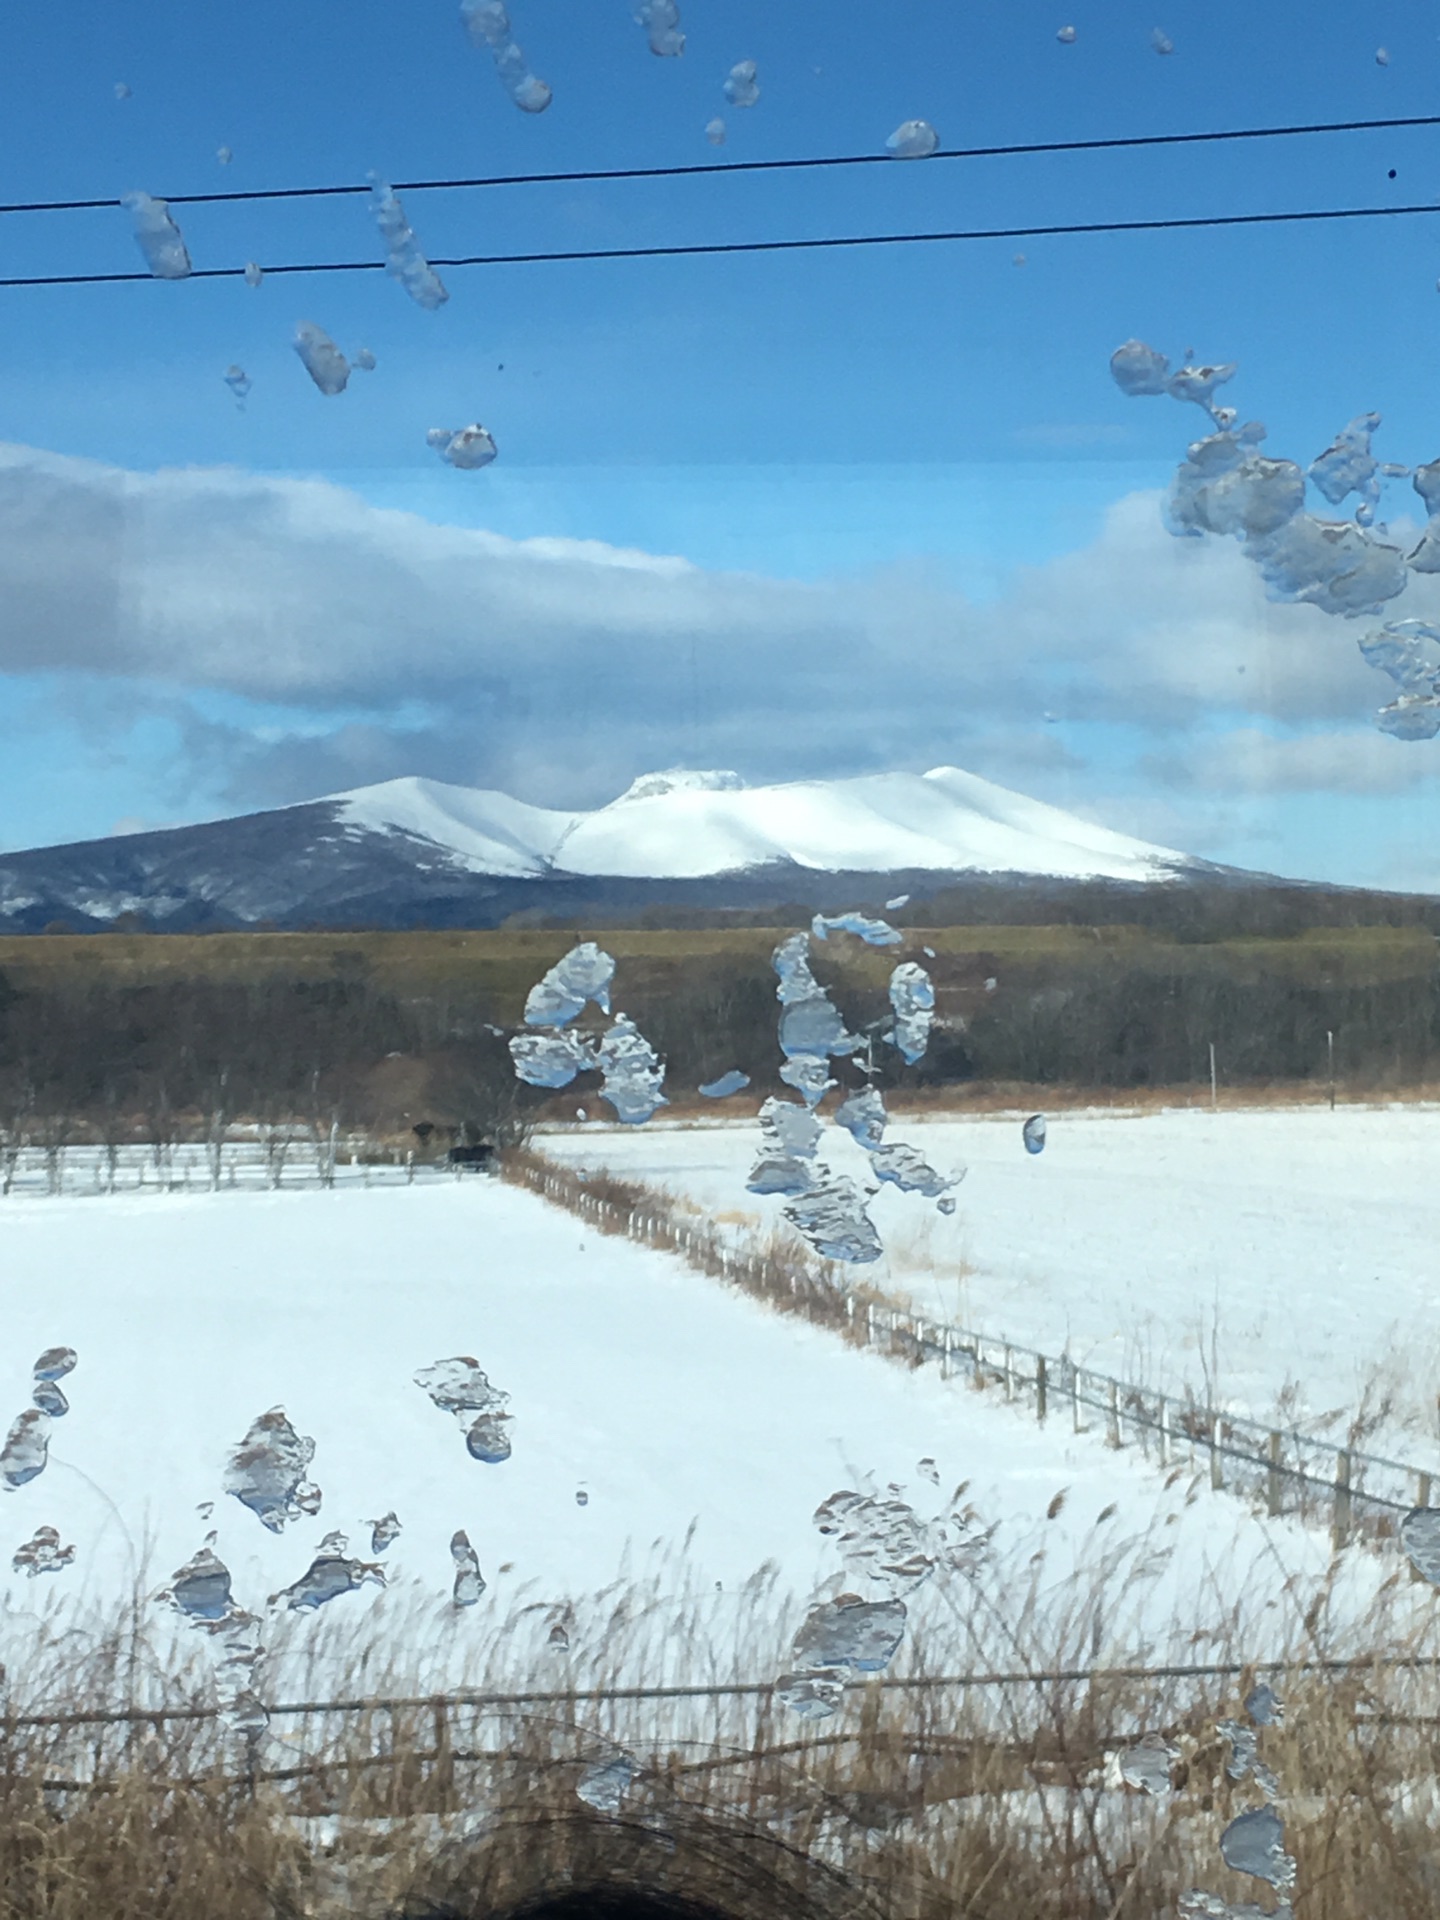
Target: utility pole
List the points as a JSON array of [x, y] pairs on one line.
[[1214, 1095], [1330, 1055]]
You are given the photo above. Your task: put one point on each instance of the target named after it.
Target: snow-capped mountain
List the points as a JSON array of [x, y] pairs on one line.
[[419, 852], [694, 826]]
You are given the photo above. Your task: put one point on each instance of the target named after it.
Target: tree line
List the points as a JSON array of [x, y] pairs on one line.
[[103, 1054]]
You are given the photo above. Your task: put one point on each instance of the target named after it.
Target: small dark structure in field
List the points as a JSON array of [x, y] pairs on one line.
[[480, 1158]]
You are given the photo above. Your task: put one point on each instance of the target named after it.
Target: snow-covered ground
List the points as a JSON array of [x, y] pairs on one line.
[[664, 1397], [1296, 1246]]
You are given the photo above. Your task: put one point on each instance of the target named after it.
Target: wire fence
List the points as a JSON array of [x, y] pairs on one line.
[[1361, 1494], [271, 1159]]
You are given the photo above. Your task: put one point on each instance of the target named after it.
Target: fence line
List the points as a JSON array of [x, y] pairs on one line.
[[278, 1159], [722, 1690], [1363, 1494]]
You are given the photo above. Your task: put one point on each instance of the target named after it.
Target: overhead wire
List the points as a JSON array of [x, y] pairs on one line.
[[809, 244], [581, 175]]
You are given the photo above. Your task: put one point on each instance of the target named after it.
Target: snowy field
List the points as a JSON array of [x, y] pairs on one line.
[[675, 1406], [1296, 1248]]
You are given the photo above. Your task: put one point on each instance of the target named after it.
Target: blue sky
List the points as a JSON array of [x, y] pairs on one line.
[[913, 505]]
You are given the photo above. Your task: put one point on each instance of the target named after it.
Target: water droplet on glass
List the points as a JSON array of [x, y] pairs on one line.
[[468, 448], [811, 1696], [1146, 1767], [558, 1638], [604, 1783], [54, 1363], [1066, 36], [912, 140], [1255, 1844], [831, 1215], [1161, 41], [945, 1205], [582, 1498], [26, 1449], [42, 1553], [715, 131], [552, 1059], [1139, 370], [912, 996], [1382, 57], [584, 974], [122, 92], [50, 1399], [727, 1084], [850, 1632], [1264, 1706], [875, 933], [458, 1386], [1033, 1133], [633, 1073], [267, 1472], [201, 1588], [1244, 1757], [661, 21], [329, 1574], [238, 382], [403, 259], [254, 273], [469, 1582], [488, 24], [160, 241], [907, 1168], [224, 156], [742, 88], [384, 1533], [1420, 1537], [322, 359], [928, 1470], [862, 1114], [1018, 261]]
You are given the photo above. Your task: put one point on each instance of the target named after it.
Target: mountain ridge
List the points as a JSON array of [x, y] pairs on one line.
[[413, 851]]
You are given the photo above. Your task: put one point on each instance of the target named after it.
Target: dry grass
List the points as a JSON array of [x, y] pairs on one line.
[[922, 1798]]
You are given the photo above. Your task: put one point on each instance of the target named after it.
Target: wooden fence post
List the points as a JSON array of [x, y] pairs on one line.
[[1075, 1398], [1112, 1437], [1341, 1530], [1423, 1490], [1042, 1388], [1273, 1481], [1164, 1424], [1217, 1464]]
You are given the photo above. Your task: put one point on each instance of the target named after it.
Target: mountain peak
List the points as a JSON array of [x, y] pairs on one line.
[[651, 786]]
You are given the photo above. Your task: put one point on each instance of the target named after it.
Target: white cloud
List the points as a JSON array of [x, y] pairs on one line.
[[562, 667]]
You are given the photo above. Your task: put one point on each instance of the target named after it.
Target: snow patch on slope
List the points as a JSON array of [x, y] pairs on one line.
[[479, 829]]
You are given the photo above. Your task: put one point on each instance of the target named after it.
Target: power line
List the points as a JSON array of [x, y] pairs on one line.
[[692, 250], [1111, 144]]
